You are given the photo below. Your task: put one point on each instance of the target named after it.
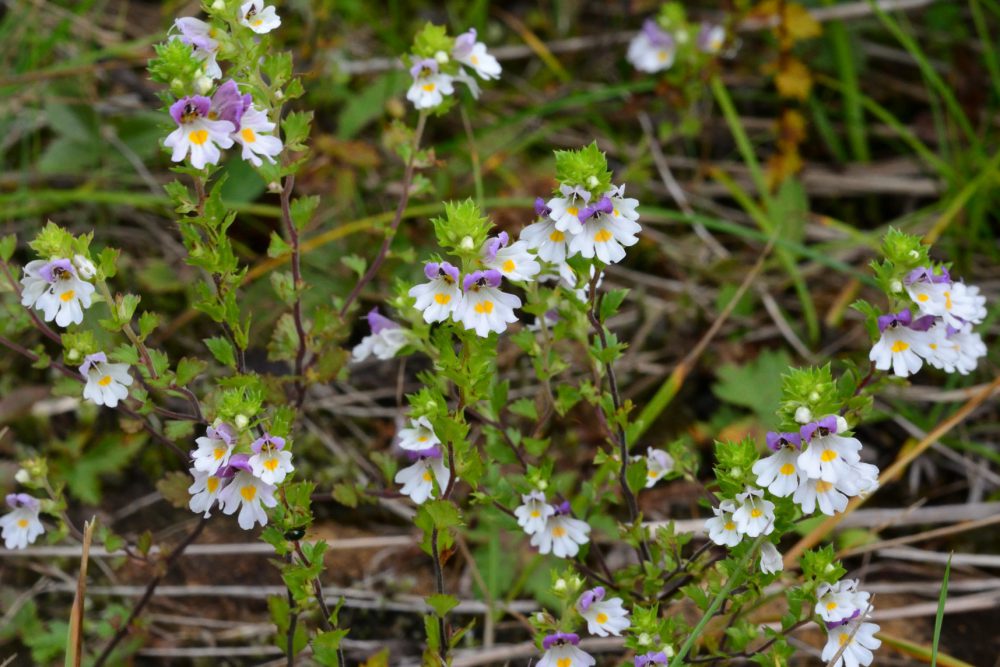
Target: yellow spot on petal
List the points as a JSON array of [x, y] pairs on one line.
[[845, 637], [787, 469], [573, 210], [67, 295], [662, 56], [756, 513], [557, 236], [602, 618], [271, 464], [484, 307], [22, 523], [104, 381], [509, 266], [602, 236], [830, 606], [828, 455], [535, 514], [558, 531], [900, 346], [933, 346], [211, 484], [198, 137], [922, 298], [248, 492], [258, 22], [422, 438], [729, 526], [564, 662], [474, 60], [823, 487], [248, 135], [427, 476], [429, 87], [947, 300], [219, 452], [442, 298], [651, 474]]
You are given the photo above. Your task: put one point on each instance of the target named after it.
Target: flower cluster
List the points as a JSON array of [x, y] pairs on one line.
[[384, 341], [936, 329], [657, 45], [439, 61], [604, 617], [552, 527], [423, 448], [58, 287], [237, 481], [21, 526], [845, 610]]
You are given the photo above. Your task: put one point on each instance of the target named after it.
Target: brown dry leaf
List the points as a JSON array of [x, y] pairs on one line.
[[791, 128], [781, 165], [800, 24], [793, 79]]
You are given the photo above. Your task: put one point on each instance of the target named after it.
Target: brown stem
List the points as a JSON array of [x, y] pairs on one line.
[[439, 583], [148, 594], [397, 218], [619, 432], [300, 330]]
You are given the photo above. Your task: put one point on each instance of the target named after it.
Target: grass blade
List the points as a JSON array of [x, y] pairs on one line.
[[939, 617]]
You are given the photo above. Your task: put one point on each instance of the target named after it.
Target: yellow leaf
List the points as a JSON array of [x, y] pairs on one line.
[[793, 79], [380, 659], [800, 24], [782, 165]]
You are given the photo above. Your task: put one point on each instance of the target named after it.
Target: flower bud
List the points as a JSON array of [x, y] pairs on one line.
[[278, 95], [559, 586], [813, 396], [441, 57], [895, 287], [542, 485], [593, 182], [22, 476], [274, 186], [914, 254], [203, 84], [803, 415], [644, 639], [73, 354], [84, 266], [468, 243], [241, 421], [668, 650], [219, 5]]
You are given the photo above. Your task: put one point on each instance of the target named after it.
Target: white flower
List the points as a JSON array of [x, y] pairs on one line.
[[548, 242], [860, 481], [385, 340], [711, 37], [858, 648], [205, 491], [721, 528], [813, 492], [254, 135], [429, 85], [214, 448], [473, 54], [259, 18], [894, 348], [84, 266], [197, 133], [956, 303], [770, 559], [270, 462], [828, 456], [248, 494], [779, 473], [106, 382], [968, 347], [418, 479], [484, 307], [561, 651], [21, 527], [604, 617], [512, 261], [562, 535], [55, 289], [754, 516], [533, 512], [604, 233], [565, 210], [933, 346], [652, 50], [419, 436], [841, 601], [201, 36], [658, 464], [439, 297]]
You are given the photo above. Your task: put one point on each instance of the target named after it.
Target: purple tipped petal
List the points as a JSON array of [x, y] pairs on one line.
[[229, 104], [925, 274], [775, 441], [828, 424], [656, 35], [237, 462], [493, 277], [830, 625], [450, 270], [488, 278], [431, 270], [418, 68], [923, 323], [17, 500], [49, 271], [563, 507], [652, 658], [575, 191], [560, 638], [223, 432], [464, 43], [267, 439], [379, 322], [91, 359], [429, 453], [186, 107], [491, 247], [590, 597], [903, 317], [541, 209]]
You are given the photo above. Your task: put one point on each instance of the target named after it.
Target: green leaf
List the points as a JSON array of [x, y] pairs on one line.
[[355, 263], [145, 542], [442, 604], [174, 488], [8, 244], [755, 385], [302, 210], [178, 429], [188, 369], [278, 246], [147, 324], [222, 350]]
